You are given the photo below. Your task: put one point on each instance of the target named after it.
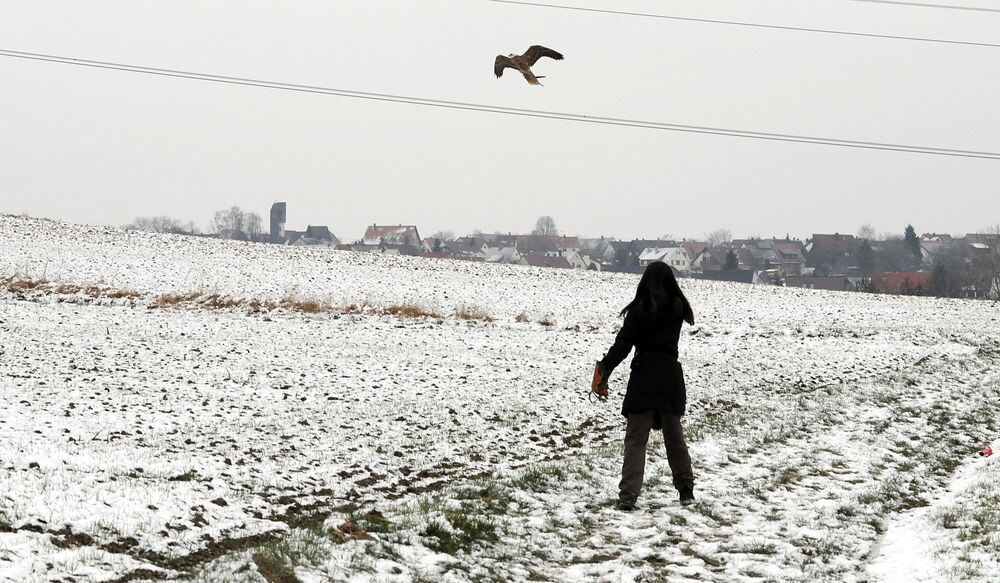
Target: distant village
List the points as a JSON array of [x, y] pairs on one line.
[[929, 264]]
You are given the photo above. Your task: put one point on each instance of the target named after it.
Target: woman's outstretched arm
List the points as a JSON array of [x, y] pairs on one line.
[[624, 342]]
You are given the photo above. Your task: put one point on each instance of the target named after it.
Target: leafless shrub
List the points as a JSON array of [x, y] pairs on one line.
[[118, 294], [67, 289], [173, 300], [361, 308], [307, 305], [547, 321], [473, 313], [410, 311], [220, 302], [522, 318], [18, 284]]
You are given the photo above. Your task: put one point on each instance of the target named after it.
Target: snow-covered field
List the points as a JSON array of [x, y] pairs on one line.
[[833, 435]]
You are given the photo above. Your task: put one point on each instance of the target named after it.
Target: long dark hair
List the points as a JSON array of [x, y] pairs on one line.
[[657, 292]]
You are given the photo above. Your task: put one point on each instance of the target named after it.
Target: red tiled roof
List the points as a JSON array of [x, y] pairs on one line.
[[693, 248], [545, 243], [540, 260], [835, 243], [391, 233]]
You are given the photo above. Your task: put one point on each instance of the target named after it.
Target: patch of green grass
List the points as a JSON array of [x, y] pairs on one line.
[[539, 478], [708, 559], [459, 532], [787, 476], [493, 497], [373, 522], [712, 512], [273, 568], [755, 548]]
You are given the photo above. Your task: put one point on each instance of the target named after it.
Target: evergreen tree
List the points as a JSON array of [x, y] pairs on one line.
[[866, 258], [732, 261], [912, 244]]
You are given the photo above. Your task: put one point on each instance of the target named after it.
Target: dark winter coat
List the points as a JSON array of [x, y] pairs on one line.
[[657, 380]]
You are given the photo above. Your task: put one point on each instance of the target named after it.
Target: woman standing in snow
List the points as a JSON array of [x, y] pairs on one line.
[[655, 397]]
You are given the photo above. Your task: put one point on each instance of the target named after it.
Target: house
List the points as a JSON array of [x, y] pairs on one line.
[[675, 257], [543, 260], [832, 253], [577, 260], [731, 275], [313, 236], [710, 259], [789, 256], [404, 249], [434, 255], [500, 249], [392, 235], [933, 249], [829, 282], [603, 249], [503, 255], [714, 259], [901, 282], [693, 249], [991, 240], [637, 246], [551, 245]]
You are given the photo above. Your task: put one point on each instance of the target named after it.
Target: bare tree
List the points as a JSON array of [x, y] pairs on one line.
[[545, 225], [719, 237], [866, 232], [444, 235], [235, 223], [253, 227], [990, 264], [161, 224]]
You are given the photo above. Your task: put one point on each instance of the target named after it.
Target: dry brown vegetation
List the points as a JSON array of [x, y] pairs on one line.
[[117, 294], [19, 284], [216, 301], [410, 311], [171, 300], [307, 305], [547, 321], [361, 308], [522, 318], [473, 313]]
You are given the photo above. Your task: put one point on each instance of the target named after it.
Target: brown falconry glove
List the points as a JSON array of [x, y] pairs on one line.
[[599, 384]]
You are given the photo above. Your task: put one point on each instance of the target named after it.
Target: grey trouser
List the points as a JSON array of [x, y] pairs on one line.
[[634, 466]]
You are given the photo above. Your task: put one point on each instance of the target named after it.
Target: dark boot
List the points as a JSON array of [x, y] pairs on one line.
[[687, 496], [626, 504]]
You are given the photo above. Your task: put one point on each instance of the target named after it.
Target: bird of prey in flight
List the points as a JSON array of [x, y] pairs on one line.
[[523, 63]]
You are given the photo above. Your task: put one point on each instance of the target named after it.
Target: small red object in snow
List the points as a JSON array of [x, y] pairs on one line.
[[987, 451]]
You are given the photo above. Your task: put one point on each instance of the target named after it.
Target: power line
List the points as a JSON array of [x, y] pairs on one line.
[[592, 119], [745, 24], [922, 5]]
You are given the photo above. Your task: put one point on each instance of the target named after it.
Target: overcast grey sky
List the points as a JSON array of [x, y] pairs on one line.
[[102, 147]]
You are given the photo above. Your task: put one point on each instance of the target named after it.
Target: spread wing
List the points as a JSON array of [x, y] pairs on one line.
[[536, 52], [502, 63], [530, 77]]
